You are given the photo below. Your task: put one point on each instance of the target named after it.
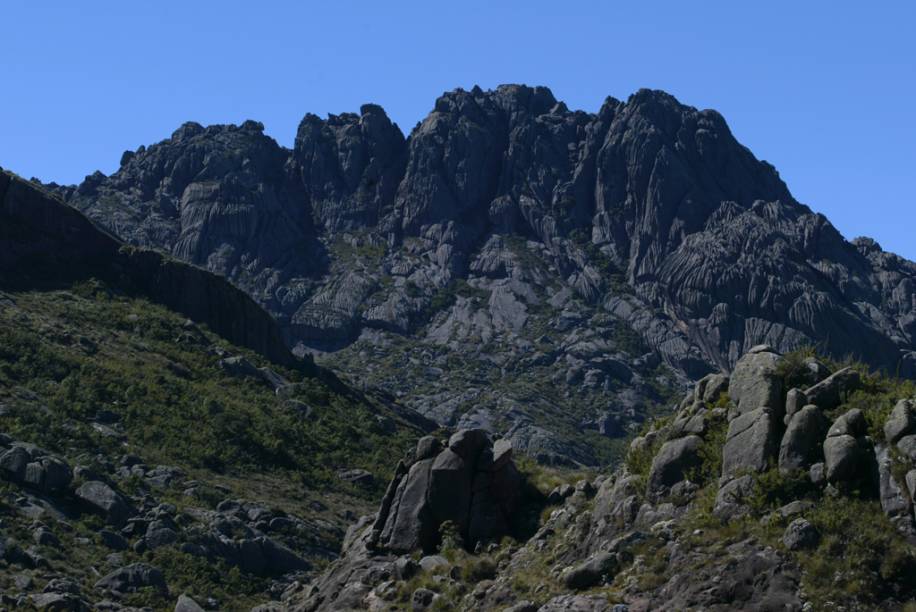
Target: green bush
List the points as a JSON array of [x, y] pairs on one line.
[[861, 559], [792, 368]]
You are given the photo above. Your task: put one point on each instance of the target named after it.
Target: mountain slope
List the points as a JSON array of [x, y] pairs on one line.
[[788, 486], [131, 434], [625, 252]]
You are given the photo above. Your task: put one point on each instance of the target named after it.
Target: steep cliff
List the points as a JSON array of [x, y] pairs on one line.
[[44, 242], [510, 242]]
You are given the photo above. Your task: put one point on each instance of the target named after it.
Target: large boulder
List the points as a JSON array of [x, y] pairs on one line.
[[35, 467], [752, 442], [101, 498], [472, 483], [50, 474], [795, 401], [672, 463], [901, 422], [733, 497], [802, 444], [409, 525], [710, 387], [800, 534], [755, 382], [831, 391], [13, 463], [591, 572], [849, 456], [842, 455]]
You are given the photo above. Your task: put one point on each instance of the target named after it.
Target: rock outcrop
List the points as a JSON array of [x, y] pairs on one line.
[[470, 482], [702, 525]]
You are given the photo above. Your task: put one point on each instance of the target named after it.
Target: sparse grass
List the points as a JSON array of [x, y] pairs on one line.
[[79, 352], [65, 355]]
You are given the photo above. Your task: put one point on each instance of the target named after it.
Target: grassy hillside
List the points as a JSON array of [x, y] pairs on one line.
[[93, 375]]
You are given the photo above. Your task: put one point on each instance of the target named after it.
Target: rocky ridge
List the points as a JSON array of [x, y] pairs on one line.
[[788, 485], [510, 241]]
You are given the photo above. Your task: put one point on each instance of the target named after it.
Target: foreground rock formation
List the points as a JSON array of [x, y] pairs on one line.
[[467, 489], [580, 248], [758, 493]]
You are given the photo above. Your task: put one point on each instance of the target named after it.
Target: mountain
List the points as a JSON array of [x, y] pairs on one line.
[[787, 486], [550, 274], [156, 435]]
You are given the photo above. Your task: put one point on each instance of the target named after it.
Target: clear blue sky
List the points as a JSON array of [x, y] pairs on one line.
[[823, 90]]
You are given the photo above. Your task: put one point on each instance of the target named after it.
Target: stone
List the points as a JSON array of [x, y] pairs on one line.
[[472, 483], [409, 526], [103, 499], [895, 499], [14, 461], [361, 478], [133, 577], [751, 443], [802, 443], [467, 443], [754, 382], [405, 568], [502, 453], [591, 572], [907, 447], [795, 401], [901, 421], [423, 599], [842, 455], [186, 604], [818, 474], [427, 448], [710, 387], [688, 424], [159, 537], [58, 602], [851, 423], [434, 563], [800, 534], [523, 606], [830, 392], [45, 537], [732, 497], [674, 459]]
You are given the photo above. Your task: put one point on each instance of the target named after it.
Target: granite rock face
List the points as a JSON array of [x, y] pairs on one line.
[[471, 483], [585, 248]]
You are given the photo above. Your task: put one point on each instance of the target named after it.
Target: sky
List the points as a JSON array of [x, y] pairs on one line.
[[822, 90]]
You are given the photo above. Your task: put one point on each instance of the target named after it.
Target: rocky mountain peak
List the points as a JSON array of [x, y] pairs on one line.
[[624, 245]]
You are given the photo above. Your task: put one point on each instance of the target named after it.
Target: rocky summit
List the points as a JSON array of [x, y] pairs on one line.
[[586, 265]]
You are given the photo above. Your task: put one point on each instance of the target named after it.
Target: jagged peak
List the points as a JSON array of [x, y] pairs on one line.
[[187, 130]]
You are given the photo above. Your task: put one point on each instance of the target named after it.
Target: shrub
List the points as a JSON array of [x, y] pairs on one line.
[[861, 559], [793, 369]]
